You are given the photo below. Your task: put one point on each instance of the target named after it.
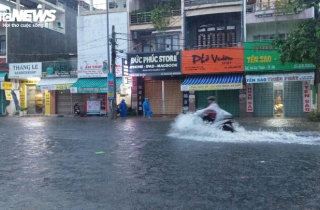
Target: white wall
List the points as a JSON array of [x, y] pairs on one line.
[[92, 38], [270, 28]]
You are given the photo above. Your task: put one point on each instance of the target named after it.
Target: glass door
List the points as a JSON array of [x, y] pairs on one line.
[[31, 99], [278, 99]]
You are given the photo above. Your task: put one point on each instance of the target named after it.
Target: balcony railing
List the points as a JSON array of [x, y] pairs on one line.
[[197, 47], [189, 3], [275, 7], [145, 17]]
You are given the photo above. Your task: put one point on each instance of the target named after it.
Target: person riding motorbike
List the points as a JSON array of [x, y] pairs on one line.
[[213, 113]]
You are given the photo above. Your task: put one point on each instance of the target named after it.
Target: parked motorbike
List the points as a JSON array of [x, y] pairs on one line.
[[226, 124], [76, 109]]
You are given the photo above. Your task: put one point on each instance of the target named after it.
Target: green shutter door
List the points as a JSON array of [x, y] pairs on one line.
[[201, 98], [263, 100], [229, 101], [293, 104]]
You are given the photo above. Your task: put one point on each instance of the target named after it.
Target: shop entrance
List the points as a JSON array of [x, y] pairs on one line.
[[279, 99], [34, 100]]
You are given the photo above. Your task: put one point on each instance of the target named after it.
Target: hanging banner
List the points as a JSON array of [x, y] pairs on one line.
[[6, 86], [217, 60], [111, 87], [47, 102], [228, 86], [262, 56], [308, 76], [249, 97], [8, 95], [306, 96]]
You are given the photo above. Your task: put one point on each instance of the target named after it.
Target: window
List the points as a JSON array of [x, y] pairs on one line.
[[221, 36], [2, 45], [168, 43], [268, 37]]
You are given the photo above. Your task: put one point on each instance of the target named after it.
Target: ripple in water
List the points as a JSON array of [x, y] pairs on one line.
[[191, 127]]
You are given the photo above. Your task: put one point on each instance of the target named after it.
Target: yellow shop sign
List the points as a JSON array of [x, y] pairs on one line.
[[6, 86]]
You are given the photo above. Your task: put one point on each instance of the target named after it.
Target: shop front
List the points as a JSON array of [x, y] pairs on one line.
[[58, 99], [157, 76], [213, 72], [281, 95], [27, 76], [91, 94], [274, 89]]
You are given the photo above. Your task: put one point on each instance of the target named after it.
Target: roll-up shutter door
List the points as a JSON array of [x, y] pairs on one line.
[[263, 103], [293, 104]]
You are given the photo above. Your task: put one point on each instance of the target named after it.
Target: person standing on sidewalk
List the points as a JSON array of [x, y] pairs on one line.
[[147, 112], [123, 108]]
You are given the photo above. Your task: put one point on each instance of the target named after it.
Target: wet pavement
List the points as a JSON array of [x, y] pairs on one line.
[[50, 163]]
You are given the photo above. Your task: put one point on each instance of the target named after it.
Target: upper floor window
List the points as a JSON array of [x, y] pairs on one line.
[[266, 37], [3, 45], [212, 36], [167, 43]]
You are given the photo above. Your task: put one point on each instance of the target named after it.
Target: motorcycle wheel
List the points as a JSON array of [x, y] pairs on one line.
[[228, 127]]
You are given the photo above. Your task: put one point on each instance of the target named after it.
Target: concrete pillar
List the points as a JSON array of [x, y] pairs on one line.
[[18, 5]]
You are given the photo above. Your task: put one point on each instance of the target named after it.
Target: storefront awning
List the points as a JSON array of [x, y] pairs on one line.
[[2, 76], [90, 85], [93, 85], [213, 82], [56, 83]]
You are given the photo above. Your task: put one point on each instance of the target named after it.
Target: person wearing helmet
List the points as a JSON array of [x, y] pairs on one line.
[[212, 113]]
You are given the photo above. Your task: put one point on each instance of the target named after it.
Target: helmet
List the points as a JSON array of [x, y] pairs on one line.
[[211, 98]]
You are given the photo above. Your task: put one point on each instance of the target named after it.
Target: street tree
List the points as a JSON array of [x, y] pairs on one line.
[[302, 44]]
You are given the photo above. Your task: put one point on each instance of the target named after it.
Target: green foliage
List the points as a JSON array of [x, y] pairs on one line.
[[314, 116], [160, 18], [302, 44]]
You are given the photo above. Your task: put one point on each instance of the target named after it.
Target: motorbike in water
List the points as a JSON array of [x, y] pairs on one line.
[[225, 123]]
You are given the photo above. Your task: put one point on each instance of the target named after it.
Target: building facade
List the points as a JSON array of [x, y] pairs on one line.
[[24, 47]]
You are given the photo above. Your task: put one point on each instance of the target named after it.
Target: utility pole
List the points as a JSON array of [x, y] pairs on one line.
[[108, 38], [113, 114]]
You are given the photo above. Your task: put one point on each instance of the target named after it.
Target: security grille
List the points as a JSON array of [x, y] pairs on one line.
[[229, 101], [293, 104], [263, 103]]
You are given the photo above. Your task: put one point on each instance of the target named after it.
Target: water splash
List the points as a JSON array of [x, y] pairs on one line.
[[191, 127]]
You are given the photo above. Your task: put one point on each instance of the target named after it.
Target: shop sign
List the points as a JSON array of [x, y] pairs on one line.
[[306, 96], [249, 97], [93, 106], [6, 86], [111, 87], [231, 86], [25, 70], [218, 60], [262, 56], [8, 95], [280, 77], [156, 63], [55, 87], [47, 102]]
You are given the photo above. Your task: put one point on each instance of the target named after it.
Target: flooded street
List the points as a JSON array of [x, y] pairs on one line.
[[93, 163]]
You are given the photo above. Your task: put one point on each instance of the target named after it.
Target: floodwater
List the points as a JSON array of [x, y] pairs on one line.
[[158, 163]]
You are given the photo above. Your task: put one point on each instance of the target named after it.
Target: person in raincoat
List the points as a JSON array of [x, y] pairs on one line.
[[146, 108], [123, 108], [213, 109]]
